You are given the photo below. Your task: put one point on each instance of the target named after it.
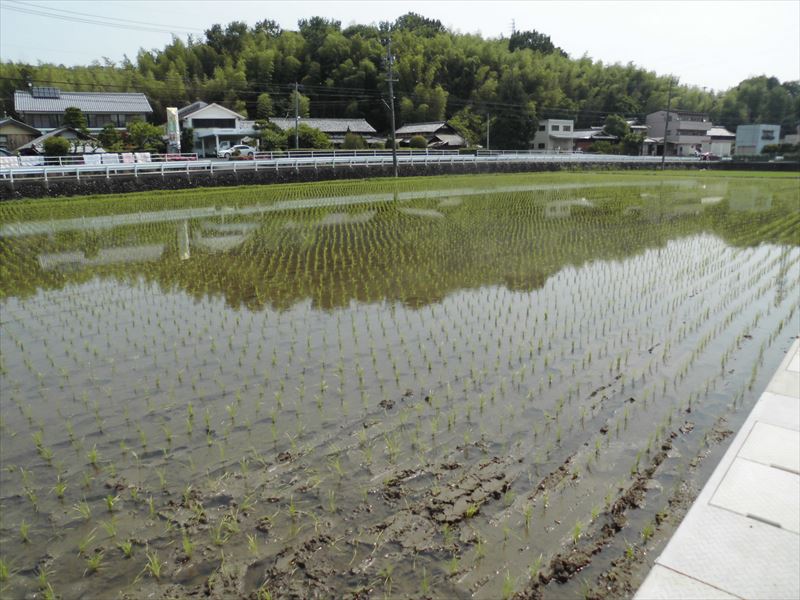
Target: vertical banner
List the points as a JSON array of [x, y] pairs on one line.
[[173, 130]]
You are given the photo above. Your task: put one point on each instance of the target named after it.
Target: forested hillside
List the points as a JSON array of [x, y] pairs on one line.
[[342, 72]]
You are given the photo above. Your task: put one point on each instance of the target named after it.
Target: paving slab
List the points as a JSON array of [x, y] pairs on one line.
[[741, 537], [773, 446], [666, 584], [761, 492]]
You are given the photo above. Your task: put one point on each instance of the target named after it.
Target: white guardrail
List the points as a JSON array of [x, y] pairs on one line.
[[307, 161]]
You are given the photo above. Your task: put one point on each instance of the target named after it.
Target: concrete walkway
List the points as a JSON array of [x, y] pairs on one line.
[[741, 537]]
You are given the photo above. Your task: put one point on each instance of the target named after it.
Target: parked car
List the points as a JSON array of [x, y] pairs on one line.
[[242, 149], [4, 152]]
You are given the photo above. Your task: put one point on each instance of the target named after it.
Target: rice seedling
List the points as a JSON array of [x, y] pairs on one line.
[[154, 565], [126, 547], [93, 563], [24, 531]]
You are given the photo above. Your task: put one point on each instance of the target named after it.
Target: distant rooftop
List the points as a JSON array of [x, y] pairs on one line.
[[720, 132], [191, 108], [326, 125], [429, 127], [53, 100]]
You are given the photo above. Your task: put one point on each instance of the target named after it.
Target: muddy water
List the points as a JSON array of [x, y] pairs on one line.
[[477, 393]]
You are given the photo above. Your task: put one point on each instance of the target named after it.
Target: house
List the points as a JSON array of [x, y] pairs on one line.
[[792, 138], [751, 139], [582, 139], [636, 127], [721, 141], [554, 135], [686, 131], [80, 143], [437, 134], [44, 107], [335, 129], [214, 127], [14, 134]]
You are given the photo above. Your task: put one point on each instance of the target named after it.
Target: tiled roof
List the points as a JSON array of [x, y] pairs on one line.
[[450, 139], [88, 102], [720, 132], [191, 108], [35, 143], [327, 125], [10, 121], [413, 128]]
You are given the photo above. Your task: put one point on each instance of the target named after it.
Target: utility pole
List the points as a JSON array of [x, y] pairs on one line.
[[296, 117], [666, 124], [391, 81], [488, 121]]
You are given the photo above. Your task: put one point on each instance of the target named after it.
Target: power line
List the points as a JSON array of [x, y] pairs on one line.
[[91, 21], [121, 20]]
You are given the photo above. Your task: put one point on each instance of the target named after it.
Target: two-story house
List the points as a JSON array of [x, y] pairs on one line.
[[554, 135], [751, 139], [214, 127], [686, 132]]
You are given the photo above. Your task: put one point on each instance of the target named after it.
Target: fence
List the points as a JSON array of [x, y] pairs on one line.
[[311, 160], [103, 158]]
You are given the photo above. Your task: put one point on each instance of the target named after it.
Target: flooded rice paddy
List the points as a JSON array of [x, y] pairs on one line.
[[447, 388]]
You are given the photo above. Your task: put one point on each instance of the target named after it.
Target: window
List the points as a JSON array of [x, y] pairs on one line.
[[555, 128], [3, 141], [767, 134], [541, 146], [692, 132], [542, 127], [221, 123], [567, 127], [44, 121]]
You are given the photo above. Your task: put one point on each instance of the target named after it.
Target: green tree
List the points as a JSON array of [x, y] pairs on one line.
[[145, 136], [109, 138], [617, 126], [418, 24], [353, 141], [56, 146], [303, 104], [515, 126], [418, 142], [533, 40], [74, 117], [271, 137], [631, 144], [309, 137], [187, 139], [264, 106]]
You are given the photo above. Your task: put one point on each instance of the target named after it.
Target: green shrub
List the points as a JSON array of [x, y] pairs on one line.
[[418, 142], [56, 146], [353, 141]]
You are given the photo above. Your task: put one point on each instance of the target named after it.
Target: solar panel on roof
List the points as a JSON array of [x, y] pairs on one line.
[[45, 92]]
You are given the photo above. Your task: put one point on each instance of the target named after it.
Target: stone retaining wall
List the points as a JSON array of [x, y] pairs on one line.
[[175, 181]]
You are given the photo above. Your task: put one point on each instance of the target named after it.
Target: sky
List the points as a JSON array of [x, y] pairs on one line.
[[710, 44]]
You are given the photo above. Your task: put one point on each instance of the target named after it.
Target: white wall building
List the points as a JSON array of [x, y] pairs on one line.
[[214, 127], [721, 141], [751, 139], [554, 135]]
